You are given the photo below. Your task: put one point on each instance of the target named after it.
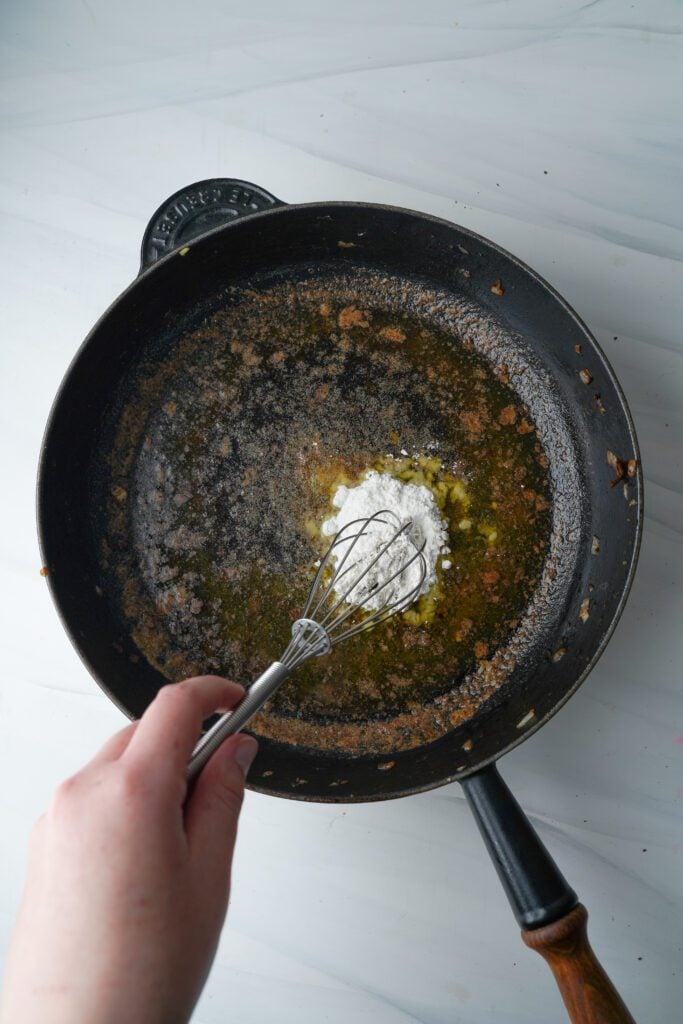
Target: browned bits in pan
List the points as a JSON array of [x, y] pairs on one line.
[[578, 350], [472, 422], [585, 376], [622, 468], [497, 288], [352, 317], [464, 629], [618, 466], [507, 416], [584, 610], [44, 571], [392, 334]]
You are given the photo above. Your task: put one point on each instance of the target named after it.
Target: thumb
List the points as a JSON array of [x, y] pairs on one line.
[[213, 809]]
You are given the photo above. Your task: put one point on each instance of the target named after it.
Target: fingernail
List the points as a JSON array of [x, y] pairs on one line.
[[245, 752]]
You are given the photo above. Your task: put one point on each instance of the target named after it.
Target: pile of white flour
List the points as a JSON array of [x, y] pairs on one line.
[[379, 491]]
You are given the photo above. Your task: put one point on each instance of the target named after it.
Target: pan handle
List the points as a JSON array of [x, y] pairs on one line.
[[192, 211], [552, 920]]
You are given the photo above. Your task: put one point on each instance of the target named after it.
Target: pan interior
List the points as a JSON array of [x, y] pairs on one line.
[[228, 438]]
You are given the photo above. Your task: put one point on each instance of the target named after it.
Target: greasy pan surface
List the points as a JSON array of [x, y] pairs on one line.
[[176, 398], [226, 444]]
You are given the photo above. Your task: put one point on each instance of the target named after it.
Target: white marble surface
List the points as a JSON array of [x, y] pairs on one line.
[[379, 913]]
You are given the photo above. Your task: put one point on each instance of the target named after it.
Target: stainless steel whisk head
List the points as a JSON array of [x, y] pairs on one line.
[[332, 609], [336, 610]]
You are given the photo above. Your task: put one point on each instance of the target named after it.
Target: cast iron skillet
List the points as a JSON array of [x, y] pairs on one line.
[[238, 231]]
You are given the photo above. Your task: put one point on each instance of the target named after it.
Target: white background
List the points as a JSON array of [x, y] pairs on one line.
[[378, 913]]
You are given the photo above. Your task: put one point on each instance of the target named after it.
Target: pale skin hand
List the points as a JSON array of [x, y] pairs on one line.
[[128, 881]]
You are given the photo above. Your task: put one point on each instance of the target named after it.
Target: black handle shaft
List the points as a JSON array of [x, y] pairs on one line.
[[538, 892], [196, 209]]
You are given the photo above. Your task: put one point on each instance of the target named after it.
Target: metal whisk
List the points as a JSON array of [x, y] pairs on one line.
[[333, 613]]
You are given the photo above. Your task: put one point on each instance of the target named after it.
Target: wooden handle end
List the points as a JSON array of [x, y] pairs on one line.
[[589, 995]]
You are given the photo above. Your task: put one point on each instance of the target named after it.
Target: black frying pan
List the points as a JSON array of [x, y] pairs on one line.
[[223, 238]]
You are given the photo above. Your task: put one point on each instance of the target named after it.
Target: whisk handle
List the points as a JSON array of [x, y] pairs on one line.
[[232, 721]]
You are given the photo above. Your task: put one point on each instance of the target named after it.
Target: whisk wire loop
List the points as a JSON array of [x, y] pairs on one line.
[[344, 596], [326, 590], [340, 571]]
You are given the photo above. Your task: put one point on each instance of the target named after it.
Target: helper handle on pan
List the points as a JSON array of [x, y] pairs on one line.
[[194, 210], [553, 921]]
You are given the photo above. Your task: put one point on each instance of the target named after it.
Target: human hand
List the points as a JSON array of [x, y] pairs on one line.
[[128, 881]]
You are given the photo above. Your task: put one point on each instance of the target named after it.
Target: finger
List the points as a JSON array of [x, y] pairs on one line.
[[170, 727], [115, 745], [213, 809]]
